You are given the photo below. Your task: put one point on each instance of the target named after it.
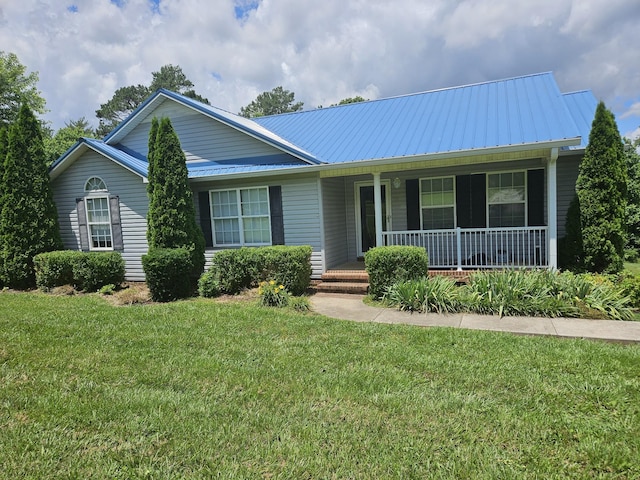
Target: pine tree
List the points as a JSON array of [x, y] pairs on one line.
[[151, 160], [171, 220], [602, 189], [29, 218]]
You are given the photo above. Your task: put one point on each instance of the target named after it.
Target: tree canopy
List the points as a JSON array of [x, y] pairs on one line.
[[602, 189], [17, 88], [274, 102], [632, 214], [126, 99], [65, 138]]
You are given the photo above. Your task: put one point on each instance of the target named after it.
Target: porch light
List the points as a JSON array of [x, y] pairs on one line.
[[396, 182]]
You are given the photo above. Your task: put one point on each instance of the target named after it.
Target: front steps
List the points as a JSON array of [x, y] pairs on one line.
[[344, 281]]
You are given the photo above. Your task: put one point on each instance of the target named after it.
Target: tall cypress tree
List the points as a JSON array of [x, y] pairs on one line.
[[171, 221], [151, 160], [602, 190], [29, 218], [3, 155]]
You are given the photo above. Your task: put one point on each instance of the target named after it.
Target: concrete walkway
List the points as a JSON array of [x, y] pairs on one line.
[[351, 307]]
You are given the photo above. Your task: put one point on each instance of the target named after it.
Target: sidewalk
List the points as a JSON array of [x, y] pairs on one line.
[[351, 307]]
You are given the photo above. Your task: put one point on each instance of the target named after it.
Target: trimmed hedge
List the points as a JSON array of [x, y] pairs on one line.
[[246, 267], [389, 265], [86, 271], [209, 284], [168, 273]]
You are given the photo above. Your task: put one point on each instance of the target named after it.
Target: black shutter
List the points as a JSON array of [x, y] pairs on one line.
[[82, 224], [116, 225], [471, 201], [205, 218], [277, 217], [535, 197], [413, 204]]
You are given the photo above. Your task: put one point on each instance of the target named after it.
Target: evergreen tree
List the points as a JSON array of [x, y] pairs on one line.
[[274, 102], [153, 132], [3, 155], [29, 219], [570, 247], [171, 220], [633, 196], [602, 190]]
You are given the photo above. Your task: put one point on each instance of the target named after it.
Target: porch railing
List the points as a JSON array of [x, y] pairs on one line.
[[478, 247]]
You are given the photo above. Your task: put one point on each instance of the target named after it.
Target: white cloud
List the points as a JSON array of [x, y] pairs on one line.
[[323, 51]]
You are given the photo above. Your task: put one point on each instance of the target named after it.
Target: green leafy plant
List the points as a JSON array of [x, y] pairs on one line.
[[273, 294], [389, 265], [209, 284], [168, 272]]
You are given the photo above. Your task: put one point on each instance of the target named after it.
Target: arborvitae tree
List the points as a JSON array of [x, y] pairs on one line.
[[151, 160], [633, 196], [29, 219], [570, 247], [3, 156], [171, 220], [602, 190]]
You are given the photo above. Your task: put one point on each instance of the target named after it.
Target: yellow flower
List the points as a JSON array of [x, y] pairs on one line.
[[281, 287], [272, 282]]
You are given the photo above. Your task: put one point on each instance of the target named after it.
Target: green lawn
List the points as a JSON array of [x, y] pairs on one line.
[[202, 389], [633, 268]]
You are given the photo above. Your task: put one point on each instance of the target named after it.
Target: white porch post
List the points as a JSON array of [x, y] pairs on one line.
[[377, 201], [552, 209]]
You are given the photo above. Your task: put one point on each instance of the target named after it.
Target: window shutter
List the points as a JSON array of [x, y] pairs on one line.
[[205, 218], [82, 224], [471, 201], [277, 217], [412, 188], [116, 224], [535, 197]]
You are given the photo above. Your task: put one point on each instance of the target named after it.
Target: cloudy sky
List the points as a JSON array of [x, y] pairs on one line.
[[324, 50]]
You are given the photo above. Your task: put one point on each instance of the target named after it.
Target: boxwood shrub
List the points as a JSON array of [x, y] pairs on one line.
[[389, 265], [245, 267], [168, 273], [87, 271]]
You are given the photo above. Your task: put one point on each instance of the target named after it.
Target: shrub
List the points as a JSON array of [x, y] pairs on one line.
[[209, 284], [54, 269], [273, 294], [630, 285], [389, 265], [438, 294], [245, 267], [287, 265], [93, 270], [168, 273], [88, 271]]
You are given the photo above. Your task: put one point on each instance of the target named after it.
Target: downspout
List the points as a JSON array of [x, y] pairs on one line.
[[552, 208]]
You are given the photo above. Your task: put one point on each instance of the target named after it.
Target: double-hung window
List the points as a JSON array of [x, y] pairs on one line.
[[437, 200], [507, 194], [241, 216], [98, 215]]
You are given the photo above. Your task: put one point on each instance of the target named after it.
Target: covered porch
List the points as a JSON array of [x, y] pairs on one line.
[[501, 213]]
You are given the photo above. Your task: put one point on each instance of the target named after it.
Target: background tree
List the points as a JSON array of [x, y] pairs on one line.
[[17, 88], [274, 102], [126, 99], [29, 219], [602, 191], [570, 250], [65, 138], [632, 213], [171, 220]]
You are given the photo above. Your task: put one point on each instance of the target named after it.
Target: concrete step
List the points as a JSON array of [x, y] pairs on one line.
[[358, 288], [352, 276]]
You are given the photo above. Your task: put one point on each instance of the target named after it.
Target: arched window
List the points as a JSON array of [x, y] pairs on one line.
[[95, 184]]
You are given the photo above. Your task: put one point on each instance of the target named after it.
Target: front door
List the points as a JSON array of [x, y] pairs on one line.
[[366, 215]]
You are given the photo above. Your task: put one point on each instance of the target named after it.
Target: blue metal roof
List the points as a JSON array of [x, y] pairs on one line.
[[519, 111], [582, 106]]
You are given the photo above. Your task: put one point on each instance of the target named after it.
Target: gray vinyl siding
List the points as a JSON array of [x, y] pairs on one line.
[[335, 221], [133, 206], [300, 208], [201, 137], [567, 174]]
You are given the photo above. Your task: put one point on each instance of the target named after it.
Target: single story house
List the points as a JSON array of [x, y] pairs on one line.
[[479, 175]]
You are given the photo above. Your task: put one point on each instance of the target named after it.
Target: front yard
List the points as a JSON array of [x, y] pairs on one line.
[[204, 388]]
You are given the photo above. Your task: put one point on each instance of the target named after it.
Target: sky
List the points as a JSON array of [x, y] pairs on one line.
[[323, 51]]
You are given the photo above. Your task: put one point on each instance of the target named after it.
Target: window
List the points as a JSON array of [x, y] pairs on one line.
[[506, 199], [98, 215], [241, 216], [99, 223], [437, 201]]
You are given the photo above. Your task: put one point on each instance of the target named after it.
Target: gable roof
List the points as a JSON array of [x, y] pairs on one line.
[[522, 111], [135, 164], [237, 122], [582, 106]]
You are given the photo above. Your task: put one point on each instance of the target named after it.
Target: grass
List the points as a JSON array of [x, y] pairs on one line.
[[201, 389], [632, 267]]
